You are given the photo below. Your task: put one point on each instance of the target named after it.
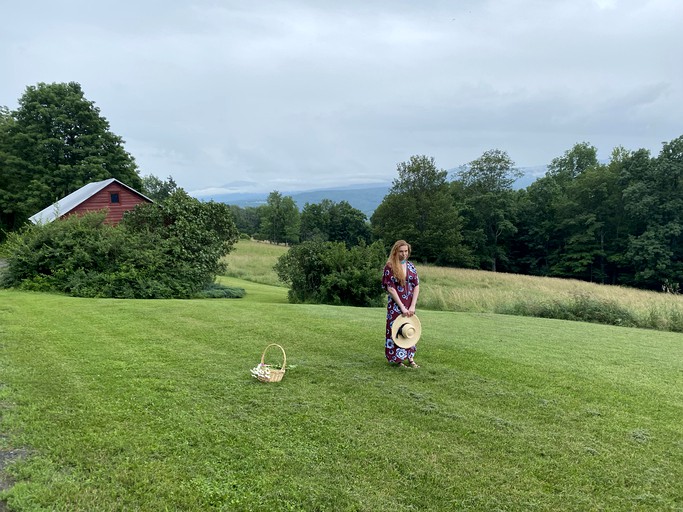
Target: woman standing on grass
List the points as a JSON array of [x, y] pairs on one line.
[[403, 286]]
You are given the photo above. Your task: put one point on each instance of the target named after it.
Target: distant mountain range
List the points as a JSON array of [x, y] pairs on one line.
[[365, 198]]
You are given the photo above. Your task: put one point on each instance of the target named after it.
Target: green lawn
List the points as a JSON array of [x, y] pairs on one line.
[[149, 405]]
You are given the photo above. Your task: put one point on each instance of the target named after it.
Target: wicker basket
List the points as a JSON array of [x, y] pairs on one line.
[[264, 372]]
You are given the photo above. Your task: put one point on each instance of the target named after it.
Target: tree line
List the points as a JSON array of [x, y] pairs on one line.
[[616, 222]]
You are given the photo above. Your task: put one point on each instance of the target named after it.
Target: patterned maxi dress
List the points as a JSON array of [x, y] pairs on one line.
[[394, 353]]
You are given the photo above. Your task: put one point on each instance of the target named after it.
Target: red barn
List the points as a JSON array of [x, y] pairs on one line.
[[110, 195]]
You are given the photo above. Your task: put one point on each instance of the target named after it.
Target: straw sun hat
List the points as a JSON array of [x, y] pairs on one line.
[[406, 331]]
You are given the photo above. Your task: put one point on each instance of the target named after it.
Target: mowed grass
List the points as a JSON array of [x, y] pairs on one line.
[[149, 405]]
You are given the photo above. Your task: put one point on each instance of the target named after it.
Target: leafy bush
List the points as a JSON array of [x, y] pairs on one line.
[[329, 273], [193, 236], [171, 249]]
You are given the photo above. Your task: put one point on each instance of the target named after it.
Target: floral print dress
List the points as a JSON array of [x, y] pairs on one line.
[[394, 353]]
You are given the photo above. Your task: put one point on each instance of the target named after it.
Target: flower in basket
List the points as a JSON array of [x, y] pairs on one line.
[[261, 372], [267, 372]]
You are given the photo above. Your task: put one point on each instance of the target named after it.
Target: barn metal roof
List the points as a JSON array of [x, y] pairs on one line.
[[68, 203]]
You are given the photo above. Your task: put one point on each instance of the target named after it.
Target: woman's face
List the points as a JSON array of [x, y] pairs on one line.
[[403, 252]]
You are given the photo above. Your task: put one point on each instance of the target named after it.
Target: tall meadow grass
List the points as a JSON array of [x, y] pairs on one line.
[[253, 261], [452, 289], [477, 291]]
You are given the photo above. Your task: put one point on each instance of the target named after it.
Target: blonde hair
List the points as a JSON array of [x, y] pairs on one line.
[[395, 263]]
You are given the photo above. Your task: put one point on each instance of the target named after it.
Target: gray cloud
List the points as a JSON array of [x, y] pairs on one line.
[[292, 95]]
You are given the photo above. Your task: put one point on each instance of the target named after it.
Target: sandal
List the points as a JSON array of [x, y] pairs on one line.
[[413, 364], [402, 365]]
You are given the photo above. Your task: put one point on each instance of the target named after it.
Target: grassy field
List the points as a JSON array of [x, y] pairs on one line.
[[254, 261], [149, 405], [476, 291]]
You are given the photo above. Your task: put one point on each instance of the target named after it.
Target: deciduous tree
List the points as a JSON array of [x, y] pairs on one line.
[[654, 198], [334, 222], [157, 189], [280, 219], [56, 142], [548, 217], [419, 208], [490, 204], [247, 219]]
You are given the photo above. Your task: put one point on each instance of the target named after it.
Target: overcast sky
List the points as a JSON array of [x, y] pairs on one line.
[[295, 95]]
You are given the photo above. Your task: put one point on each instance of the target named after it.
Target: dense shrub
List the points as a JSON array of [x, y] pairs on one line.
[[193, 235], [162, 250], [329, 273], [302, 268]]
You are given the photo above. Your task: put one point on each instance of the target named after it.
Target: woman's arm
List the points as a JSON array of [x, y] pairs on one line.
[[394, 295], [413, 303]]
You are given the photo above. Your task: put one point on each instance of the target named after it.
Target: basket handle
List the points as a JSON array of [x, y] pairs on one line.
[[284, 355]]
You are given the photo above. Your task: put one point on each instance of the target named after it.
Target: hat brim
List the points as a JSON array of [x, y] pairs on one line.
[[398, 338]]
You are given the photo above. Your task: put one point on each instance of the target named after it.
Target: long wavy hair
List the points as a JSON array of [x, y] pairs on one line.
[[395, 262]]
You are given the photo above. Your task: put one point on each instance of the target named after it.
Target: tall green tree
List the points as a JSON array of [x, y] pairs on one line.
[[573, 162], [315, 221], [280, 219], [348, 225], [6, 216], [247, 219], [548, 217], [157, 189], [56, 142], [334, 222], [533, 244], [654, 200], [592, 218], [490, 204], [419, 208]]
